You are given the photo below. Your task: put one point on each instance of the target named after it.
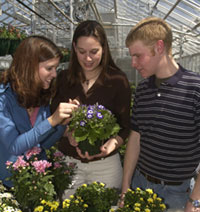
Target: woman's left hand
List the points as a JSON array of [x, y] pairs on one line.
[[106, 149]]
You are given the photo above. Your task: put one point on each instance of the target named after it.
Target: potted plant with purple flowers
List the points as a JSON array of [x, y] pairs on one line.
[[91, 126]]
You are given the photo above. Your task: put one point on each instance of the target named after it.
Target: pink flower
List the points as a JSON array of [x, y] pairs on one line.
[[20, 163], [58, 154], [8, 163], [41, 165], [34, 151], [72, 165], [57, 165], [67, 172]]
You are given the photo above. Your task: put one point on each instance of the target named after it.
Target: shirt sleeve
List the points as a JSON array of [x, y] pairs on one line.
[[123, 102], [16, 142]]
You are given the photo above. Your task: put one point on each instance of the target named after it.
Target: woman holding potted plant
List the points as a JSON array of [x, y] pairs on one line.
[[93, 78], [25, 91]]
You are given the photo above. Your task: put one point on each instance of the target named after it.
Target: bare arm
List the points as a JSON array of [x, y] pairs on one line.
[[195, 195], [130, 160]]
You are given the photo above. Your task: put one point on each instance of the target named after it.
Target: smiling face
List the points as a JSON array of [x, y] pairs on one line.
[[47, 71], [89, 53], [144, 58]]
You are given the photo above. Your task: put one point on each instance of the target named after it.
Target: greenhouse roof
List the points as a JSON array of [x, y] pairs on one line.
[[56, 19]]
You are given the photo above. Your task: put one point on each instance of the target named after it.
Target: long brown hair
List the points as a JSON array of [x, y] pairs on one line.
[[95, 29], [24, 68]]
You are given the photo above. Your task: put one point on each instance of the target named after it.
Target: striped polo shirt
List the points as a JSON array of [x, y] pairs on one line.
[[168, 120]]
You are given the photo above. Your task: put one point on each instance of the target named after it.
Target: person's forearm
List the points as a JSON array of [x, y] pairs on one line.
[[195, 195], [130, 160]]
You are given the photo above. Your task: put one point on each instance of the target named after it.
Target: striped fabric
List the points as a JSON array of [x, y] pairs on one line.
[[168, 120]]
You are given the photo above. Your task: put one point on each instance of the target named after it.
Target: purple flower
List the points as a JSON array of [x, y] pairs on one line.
[[89, 116], [91, 107], [82, 123], [90, 111], [99, 115], [101, 107]]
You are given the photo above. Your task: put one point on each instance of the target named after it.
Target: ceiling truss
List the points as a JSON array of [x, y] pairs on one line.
[[58, 18]]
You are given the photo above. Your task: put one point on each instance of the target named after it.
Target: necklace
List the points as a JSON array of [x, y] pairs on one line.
[[87, 82], [92, 79]]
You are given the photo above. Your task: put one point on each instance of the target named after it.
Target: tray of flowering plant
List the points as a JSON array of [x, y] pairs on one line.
[[91, 126], [35, 179]]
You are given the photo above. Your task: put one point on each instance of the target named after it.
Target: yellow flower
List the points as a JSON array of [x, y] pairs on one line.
[[150, 191], [163, 206], [154, 196], [137, 204], [147, 210], [102, 184], [84, 185], [71, 196], [67, 200], [85, 206], [76, 201], [137, 209], [159, 199], [39, 208], [43, 202], [66, 203], [150, 200], [54, 205], [138, 189]]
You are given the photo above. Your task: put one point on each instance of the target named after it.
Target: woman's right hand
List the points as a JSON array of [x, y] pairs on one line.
[[70, 137], [63, 113]]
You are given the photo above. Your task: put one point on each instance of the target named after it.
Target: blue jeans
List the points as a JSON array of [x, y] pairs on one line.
[[175, 197]]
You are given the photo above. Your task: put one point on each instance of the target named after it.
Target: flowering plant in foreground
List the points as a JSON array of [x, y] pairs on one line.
[[142, 201], [69, 205], [7, 201], [62, 172], [97, 196], [32, 179], [91, 125], [94, 197], [47, 206]]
